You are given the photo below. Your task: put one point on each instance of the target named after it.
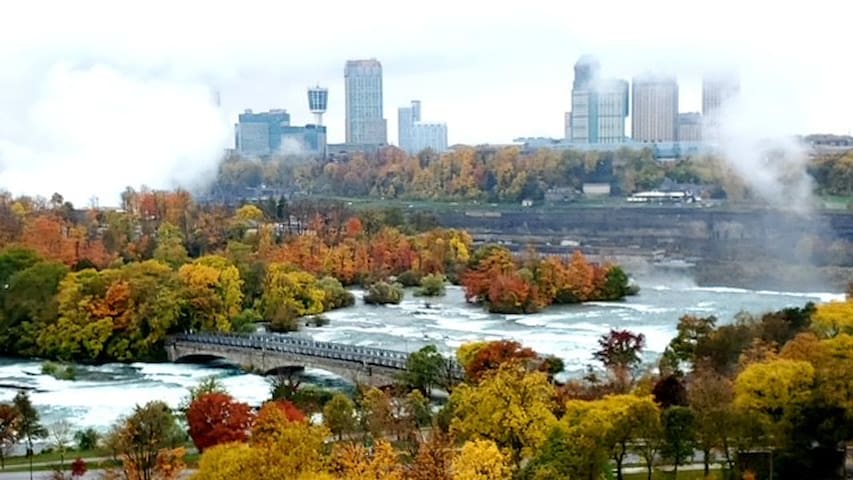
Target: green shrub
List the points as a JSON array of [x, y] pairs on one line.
[[381, 293], [431, 286], [336, 296], [59, 371], [409, 278]]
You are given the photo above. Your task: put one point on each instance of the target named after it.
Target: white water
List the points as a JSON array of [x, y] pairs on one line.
[[102, 394]]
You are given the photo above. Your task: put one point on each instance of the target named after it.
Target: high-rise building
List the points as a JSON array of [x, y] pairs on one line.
[[431, 136], [406, 119], [318, 100], [690, 127], [567, 126], [654, 112], [717, 91], [364, 121], [586, 72], [259, 134], [599, 106], [612, 110], [413, 135]]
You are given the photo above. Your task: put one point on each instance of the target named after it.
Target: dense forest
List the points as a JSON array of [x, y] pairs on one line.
[[106, 285], [502, 174]]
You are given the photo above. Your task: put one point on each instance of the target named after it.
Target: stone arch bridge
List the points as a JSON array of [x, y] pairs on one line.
[[269, 353]]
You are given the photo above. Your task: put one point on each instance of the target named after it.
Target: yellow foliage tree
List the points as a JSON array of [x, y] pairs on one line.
[[833, 318], [774, 390], [511, 407], [212, 291], [289, 294], [354, 462], [481, 460]]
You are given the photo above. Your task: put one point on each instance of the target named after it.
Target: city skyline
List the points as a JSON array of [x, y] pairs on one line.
[[493, 74]]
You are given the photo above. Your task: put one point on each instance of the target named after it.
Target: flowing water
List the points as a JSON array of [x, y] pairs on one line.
[[101, 394]]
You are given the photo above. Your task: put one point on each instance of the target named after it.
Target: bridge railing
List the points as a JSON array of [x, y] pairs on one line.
[[299, 346]]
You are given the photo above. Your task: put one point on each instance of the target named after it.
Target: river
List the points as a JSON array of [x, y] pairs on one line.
[[102, 394]]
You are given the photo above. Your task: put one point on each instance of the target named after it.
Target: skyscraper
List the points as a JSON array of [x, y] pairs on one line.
[[413, 135], [717, 90], [654, 113], [364, 121], [599, 106]]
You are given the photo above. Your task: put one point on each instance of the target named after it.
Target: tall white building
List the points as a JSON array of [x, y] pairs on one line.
[[612, 110], [599, 106], [654, 110], [365, 123], [415, 135]]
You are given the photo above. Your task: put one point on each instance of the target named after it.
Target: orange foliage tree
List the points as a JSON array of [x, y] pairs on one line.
[[217, 418], [492, 355]]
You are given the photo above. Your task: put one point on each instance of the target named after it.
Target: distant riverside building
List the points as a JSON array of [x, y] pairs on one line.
[[307, 141], [654, 114], [567, 125], [690, 127], [365, 123], [259, 134], [414, 135], [599, 106]]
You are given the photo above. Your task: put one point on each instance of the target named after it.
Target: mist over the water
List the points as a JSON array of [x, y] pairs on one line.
[[760, 149]]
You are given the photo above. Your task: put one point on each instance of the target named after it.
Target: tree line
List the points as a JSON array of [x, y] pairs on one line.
[[503, 174], [110, 285]]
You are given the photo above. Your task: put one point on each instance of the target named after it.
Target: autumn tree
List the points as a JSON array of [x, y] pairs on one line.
[[353, 461], [339, 415], [212, 293], [376, 413], [489, 356], [433, 459], [170, 246], [834, 318], [9, 430], [711, 397], [511, 407], [619, 351], [289, 294], [632, 417], [143, 437], [481, 460], [216, 418]]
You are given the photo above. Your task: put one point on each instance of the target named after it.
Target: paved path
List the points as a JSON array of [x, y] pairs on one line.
[[90, 475]]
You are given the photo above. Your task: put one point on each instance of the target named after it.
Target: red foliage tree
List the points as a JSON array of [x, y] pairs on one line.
[[217, 418], [78, 467], [491, 356], [620, 352]]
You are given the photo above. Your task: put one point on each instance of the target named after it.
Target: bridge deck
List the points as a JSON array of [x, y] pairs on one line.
[[365, 356]]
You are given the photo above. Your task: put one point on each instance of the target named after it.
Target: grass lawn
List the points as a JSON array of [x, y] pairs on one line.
[[682, 475], [70, 455]]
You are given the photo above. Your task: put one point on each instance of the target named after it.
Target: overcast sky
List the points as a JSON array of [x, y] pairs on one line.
[[95, 96]]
